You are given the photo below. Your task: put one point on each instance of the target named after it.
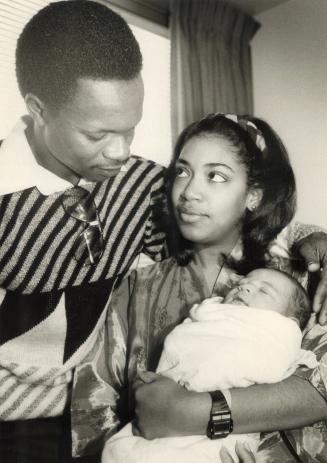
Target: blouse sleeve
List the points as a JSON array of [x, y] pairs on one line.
[[316, 340], [311, 441], [99, 380]]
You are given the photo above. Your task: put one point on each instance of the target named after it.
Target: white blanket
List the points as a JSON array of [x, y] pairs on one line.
[[219, 346]]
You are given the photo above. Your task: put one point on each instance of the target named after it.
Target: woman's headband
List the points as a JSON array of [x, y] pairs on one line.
[[255, 134]]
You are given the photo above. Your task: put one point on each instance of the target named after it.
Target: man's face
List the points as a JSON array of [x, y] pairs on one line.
[[265, 289], [92, 133]]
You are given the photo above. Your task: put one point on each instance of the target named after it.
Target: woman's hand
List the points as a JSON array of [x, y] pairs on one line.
[[313, 249], [244, 455], [163, 408]]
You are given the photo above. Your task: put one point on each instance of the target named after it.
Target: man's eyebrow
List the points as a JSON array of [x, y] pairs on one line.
[[182, 161], [94, 131], [97, 130]]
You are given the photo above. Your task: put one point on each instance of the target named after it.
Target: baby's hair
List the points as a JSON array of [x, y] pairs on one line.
[[300, 305]]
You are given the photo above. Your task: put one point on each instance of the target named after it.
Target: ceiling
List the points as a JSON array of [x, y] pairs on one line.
[[252, 7], [157, 11]]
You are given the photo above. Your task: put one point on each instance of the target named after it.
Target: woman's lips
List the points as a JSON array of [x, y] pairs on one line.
[[190, 216]]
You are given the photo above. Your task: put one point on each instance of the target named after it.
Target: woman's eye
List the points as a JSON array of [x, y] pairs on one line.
[[180, 172], [216, 177]]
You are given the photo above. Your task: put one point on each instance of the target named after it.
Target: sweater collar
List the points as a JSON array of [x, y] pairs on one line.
[[19, 169]]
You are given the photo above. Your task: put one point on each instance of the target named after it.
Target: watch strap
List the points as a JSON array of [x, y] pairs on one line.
[[220, 422]]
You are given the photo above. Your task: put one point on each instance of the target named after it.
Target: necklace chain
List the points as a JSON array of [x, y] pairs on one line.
[[217, 277]]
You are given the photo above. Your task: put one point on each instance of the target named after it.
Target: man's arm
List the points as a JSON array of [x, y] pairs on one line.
[[313, 249], [154, 238], [309, 243], [166, 409]]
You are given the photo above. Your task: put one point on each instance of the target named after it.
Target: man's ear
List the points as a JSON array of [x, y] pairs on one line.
[[254, 199], [35, 107]]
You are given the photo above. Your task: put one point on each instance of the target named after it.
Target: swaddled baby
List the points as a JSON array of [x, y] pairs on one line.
[[253, 336]]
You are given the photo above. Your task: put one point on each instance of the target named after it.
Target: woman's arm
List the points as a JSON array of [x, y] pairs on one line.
[[166, 409], [292, 403]]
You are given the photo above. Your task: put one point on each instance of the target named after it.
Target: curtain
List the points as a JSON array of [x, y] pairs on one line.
[[211, 66]]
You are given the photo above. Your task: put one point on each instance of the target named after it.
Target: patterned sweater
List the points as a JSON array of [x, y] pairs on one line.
[[51, 306]]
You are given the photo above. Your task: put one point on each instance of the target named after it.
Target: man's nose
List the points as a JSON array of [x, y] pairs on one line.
[[116, 148]]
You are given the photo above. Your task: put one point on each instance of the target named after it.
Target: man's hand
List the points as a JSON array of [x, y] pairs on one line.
[[163, 408], [244, 455], [313, 249]]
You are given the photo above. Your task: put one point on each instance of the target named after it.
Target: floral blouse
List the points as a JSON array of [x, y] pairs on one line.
[[147, 306]]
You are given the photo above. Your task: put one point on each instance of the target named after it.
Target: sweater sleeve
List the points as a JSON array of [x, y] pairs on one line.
[[99, 380], [154, 240]]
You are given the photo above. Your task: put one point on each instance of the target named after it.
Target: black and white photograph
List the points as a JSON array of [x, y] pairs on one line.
[[163, 231]]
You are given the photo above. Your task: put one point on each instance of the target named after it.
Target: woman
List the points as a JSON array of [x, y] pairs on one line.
[[232, 191]]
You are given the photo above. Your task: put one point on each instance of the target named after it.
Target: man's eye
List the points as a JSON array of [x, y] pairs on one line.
[[217, 177], [95, 137], [180, 172]]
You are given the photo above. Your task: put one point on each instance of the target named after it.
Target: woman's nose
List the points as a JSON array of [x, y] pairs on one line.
[[192, 191], [116, 148]]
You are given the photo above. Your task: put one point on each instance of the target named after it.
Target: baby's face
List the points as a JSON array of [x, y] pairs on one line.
[[265, 289]]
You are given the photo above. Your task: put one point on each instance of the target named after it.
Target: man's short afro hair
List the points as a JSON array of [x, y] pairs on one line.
[[68, 40]]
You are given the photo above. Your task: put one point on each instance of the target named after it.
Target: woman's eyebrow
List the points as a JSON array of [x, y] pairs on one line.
[[209, 164], [219, 164]]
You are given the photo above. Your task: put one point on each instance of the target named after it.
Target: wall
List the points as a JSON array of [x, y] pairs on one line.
[[153, 134], [290, 91]]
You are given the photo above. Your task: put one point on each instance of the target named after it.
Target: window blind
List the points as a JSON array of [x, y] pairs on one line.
[[14, 14]]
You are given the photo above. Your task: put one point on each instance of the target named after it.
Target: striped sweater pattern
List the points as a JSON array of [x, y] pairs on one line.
[[51, 305]]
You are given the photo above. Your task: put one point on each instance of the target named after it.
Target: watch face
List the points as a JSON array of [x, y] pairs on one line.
[[221, 428], [221, 425]]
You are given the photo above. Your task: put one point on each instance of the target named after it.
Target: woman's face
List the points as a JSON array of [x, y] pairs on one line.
[[210, 193]]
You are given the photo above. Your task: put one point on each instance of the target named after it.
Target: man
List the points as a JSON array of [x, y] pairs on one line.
[[76, 209]]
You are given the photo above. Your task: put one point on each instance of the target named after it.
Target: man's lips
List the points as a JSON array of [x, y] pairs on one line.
[[113, 168]]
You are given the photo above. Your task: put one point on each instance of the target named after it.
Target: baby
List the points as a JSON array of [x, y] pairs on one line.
[[253, 336]]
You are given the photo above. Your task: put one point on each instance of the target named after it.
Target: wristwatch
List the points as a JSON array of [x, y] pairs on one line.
[[220, 422]]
